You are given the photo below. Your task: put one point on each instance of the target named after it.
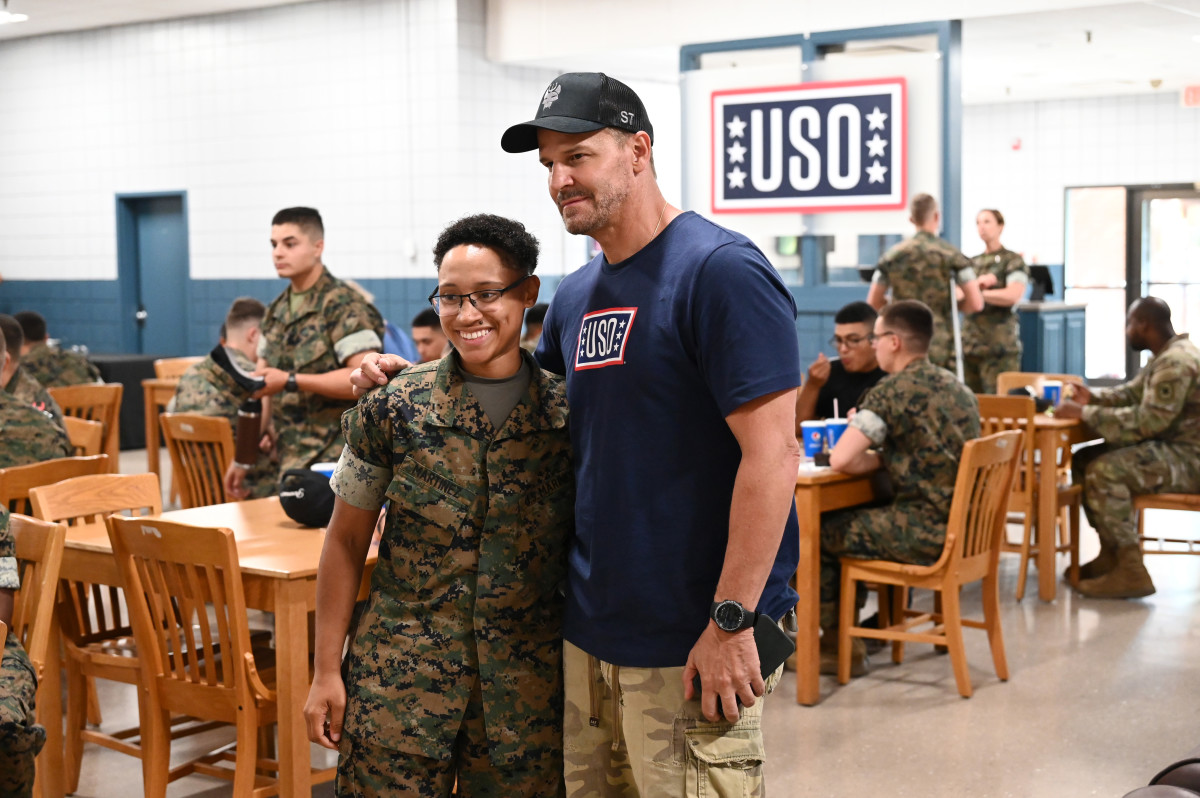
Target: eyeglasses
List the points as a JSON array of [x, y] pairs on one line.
[[451, 304], [837, 342], [875, 338]]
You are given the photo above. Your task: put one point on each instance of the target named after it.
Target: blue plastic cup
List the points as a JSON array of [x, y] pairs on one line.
[[834, 428], [813, 434], [1052, 391]]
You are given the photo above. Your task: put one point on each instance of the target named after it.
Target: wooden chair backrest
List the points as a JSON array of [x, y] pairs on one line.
[[979, 509], [201, 449], [1003, 413], [39, 548], [17, 481], [95, 402], [180, 578], [1007, 380], [172, 368], [86, 436]]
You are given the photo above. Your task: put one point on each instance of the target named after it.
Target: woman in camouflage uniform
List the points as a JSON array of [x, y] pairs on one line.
[[455, 668], [992, 337]]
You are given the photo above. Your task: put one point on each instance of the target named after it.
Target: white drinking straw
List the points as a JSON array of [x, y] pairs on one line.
[[835, 409]]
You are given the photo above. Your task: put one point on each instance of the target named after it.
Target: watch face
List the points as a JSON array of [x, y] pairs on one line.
[[728, 615]]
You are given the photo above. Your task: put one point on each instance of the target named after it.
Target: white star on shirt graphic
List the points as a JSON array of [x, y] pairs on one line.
[[875, 172], [737, 153], [875, 119], [737, 127], [737, 178], [875, 147]]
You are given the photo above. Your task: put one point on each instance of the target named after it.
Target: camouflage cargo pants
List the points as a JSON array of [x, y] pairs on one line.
[[647, 742], [367, 771], [981, 366], [1112, 475], [20, 738], [911, 532]]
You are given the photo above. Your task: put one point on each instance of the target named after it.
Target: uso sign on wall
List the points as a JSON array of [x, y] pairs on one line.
[[810, 148]]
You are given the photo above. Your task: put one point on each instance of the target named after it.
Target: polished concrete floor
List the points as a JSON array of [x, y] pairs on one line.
[[1102, 695]]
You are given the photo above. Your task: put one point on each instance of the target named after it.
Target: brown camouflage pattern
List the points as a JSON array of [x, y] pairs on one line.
[[305, 341], [54, 367], [467, 588], [25, 387], [28, 435], [207, 389], [676, 751], [920, 268], [992, 337]]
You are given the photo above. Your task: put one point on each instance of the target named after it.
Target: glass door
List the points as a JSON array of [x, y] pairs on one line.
[[1094, 273], [1167, 240]]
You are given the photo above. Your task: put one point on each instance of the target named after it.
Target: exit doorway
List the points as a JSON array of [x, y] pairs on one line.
[[152, 272]]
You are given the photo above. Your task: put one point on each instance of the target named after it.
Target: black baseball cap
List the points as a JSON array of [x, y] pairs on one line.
[[579, 102], [306, 497]]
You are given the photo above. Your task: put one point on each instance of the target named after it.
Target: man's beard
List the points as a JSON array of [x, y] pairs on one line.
[[604, 208]]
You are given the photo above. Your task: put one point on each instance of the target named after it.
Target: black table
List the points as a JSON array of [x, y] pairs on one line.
[[129, 370]]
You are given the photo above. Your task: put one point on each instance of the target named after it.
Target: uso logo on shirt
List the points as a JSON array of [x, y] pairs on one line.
[[602, 338]]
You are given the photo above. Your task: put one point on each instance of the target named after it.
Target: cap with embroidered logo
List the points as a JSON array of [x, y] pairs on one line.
[[580, 102]]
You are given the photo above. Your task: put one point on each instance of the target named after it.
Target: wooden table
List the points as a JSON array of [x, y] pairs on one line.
[[157, 394], [1053, 434], [279, 569], [816, 492]]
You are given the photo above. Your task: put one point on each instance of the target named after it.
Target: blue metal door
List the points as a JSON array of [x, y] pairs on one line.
[[152, 254]]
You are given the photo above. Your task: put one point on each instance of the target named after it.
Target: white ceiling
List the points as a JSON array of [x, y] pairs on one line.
[[1134, 47]]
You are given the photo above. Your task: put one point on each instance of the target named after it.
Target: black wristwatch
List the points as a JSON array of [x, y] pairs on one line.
[[731, 616], [290, 385]]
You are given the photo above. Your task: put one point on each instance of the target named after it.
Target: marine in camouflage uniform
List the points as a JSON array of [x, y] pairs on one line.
[[28, 435], [456, 667], [314, 332], [20, 737], [992, 337], [919, 419], [920, 268], [54, 367], [207, 389], [25, 387]]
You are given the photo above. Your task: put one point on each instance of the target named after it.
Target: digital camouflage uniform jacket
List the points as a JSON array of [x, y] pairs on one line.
[[28, 435], [920, 268], [467, 589], [20, 737], [331, 323], [1161, 403], [54, 368], [995, 329], [25, 387]]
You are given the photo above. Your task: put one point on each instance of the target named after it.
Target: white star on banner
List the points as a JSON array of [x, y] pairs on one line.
[[737, 178], [875, 119], [875, 147], [737, 127], [875, 172], [737, 153]]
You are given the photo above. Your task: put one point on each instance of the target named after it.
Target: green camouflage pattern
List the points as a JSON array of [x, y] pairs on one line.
[[25, 387], [992, 337], [467, 588], [919, 418], [28, 435], [920, 268], [676, 750], [20, 737], [207, 389], [54, 367], [306, 341]]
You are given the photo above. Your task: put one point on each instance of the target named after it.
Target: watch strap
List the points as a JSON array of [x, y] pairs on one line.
[[291, 383], [749, 617]]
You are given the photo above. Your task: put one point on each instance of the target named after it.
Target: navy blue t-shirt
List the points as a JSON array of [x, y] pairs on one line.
[[657, 351]]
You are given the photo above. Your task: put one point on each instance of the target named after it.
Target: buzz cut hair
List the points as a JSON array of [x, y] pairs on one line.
[[911, 319], [922, 207], [307, 219], [245, 311], [856, 313], [516, 247], [427, 318], [11, 337], [33, 325]]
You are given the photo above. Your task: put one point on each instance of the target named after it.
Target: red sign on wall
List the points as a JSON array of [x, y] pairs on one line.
[[1189, 97]]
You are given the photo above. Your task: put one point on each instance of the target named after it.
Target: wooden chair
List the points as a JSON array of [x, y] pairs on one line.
[[97, 634], [201, 449], [977, 517], [96, 402], [1000, 413], [86, 436], [1155, 544], [172, 368], [179, 576], [17, 481]]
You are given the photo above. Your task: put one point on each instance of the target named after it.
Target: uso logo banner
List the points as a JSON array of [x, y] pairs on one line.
[[810, 148]]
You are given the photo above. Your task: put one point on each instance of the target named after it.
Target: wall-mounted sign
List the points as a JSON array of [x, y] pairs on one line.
[[810, 148]]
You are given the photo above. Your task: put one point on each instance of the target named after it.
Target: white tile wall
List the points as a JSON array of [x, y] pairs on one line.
[[381, 113], [1135, 139]]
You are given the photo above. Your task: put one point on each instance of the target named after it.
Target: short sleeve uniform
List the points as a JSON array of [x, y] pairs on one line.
[[54, 368]]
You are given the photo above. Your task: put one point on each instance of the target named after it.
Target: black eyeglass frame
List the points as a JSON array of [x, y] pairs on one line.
[[435, 299]]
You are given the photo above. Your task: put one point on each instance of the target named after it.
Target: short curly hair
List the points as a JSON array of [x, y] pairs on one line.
[[517, 247]]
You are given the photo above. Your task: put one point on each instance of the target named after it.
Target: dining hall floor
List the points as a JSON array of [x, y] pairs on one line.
[[1101, 696]]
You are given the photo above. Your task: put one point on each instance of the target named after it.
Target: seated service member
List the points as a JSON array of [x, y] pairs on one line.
[[20, 737], [209, 390], [455, 670], [916, 420], [51, 366], [427, 335], [847, 377], [314, 334], [27, 435], [1151, 431], [18, 381]]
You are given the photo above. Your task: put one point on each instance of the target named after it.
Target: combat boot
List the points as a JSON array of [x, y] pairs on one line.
[[829, 657], [1105, 561], [1128, 578]]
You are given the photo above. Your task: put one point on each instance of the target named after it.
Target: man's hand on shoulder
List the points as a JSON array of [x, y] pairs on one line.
[[375, 370], [728, 667]]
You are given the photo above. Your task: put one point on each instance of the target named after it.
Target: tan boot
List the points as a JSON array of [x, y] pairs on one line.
[[829, 657], [1128, 578], [1105, 561]]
